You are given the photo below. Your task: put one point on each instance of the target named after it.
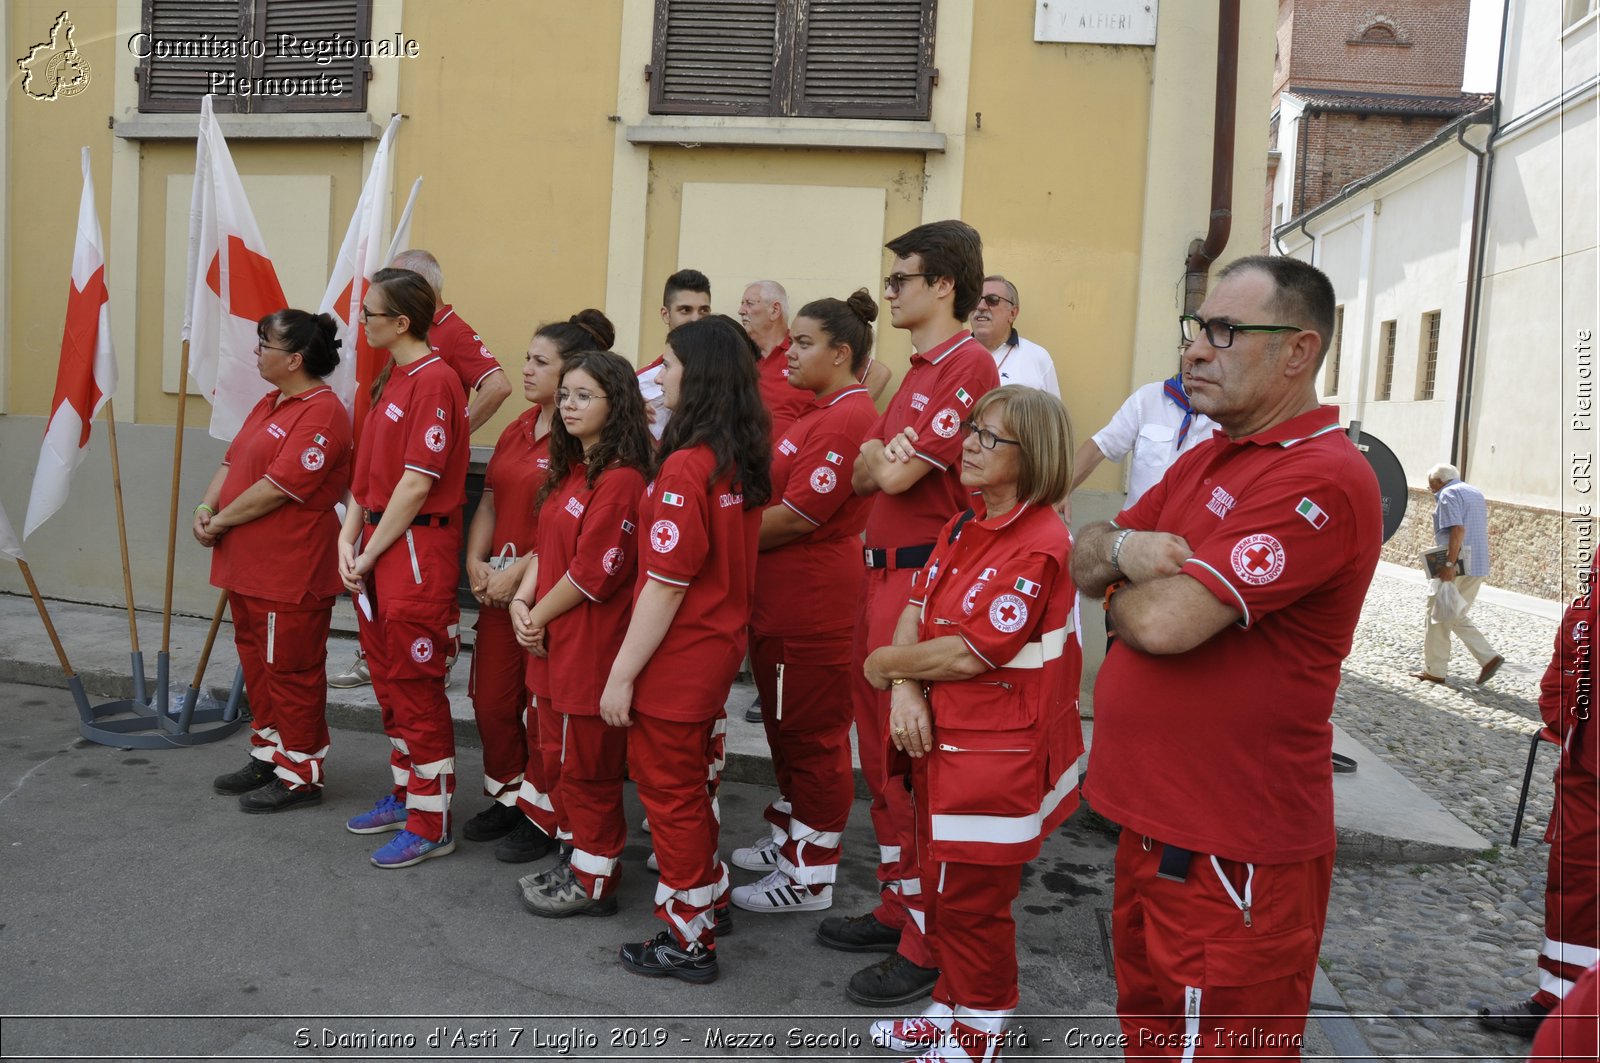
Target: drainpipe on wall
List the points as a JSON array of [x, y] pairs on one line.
[[1197, 266], [1461, 437]]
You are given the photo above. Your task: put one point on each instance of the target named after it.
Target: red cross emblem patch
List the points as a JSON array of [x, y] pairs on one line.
[[946, 423], [663, 536], [422, 650], [1008, 613], [1258, 559]]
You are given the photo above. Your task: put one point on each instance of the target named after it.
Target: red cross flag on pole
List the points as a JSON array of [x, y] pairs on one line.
[[364, 252], [9, 544], [88, 372], [231, 283]]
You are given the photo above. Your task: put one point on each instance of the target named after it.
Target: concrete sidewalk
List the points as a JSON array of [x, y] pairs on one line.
[[1379, 813]]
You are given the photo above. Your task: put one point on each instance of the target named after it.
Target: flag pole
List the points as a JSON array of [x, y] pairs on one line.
[[163, 660], [186, 713], [85, 713], [127, 570]]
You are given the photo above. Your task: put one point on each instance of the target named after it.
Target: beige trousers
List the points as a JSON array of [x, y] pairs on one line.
[[1436, 643]]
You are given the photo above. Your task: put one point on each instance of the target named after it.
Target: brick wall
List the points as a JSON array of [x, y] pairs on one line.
[[1425, 55], [1340, 148], [1531, 551]]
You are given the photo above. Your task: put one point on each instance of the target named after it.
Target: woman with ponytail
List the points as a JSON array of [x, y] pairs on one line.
[[268, 517], [700, 517], [808, 582], [501, 547]]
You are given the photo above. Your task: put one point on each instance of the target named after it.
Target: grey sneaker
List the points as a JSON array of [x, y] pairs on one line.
[[559, 895], [354, 676]]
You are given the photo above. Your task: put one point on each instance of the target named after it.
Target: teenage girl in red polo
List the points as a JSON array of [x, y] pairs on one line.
[[600, 456], [501, 549], [699, 522]]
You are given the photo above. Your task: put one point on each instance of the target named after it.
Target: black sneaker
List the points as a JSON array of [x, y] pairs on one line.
[[253, 776], [753, 713], [496, 821], [278, 797], [722, 924], [857, 933], [895, 980], [1522, 1018], [663, 957], [525, 844]]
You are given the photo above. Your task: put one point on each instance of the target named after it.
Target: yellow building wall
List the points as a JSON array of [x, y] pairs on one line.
[[514, 145], [43, 189]]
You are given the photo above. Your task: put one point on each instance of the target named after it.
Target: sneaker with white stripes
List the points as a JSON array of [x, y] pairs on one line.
[[777, 893], [761, 855], [931, 1029]]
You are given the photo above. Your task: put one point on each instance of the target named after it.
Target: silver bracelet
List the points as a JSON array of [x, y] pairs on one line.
[[1116, 547]]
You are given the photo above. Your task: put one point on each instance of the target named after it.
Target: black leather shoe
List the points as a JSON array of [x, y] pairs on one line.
[[277, 797], [895, 980], [1522, 1018], [525, 844], [722, 924], [253, 776], [857, 933], [663, 957], [753, 713], [494, 822]]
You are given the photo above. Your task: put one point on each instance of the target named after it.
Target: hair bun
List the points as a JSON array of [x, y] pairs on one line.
[[863, 304], [597, 325]]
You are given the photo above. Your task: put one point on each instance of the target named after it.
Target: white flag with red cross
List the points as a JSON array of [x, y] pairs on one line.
[[88, 371], [231, 284], [366, 250]]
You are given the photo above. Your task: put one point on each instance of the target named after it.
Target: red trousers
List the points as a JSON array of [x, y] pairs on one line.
[[500, 701], [539, 796], [283, 651], [668, 762], [1194, 979], [1571, 910], [412, 634], [805, 707], [884, 596], [594, 760]]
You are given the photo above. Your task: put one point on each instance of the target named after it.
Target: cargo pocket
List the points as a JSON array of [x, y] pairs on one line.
[[985, 773], [983, 704], [418, 639], [1253, 960]]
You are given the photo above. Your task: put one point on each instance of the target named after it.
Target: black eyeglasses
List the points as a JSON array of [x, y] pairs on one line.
[[579, 399], [1220, 333], [990, 299], [263, 346], [365, 313], [986, 439], [895, 281]]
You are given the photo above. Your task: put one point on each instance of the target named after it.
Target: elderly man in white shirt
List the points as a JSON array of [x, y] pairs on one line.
[[993, 324], [1157, 425]]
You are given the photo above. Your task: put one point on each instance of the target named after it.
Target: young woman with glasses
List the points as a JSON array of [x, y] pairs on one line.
[[501, 550], [398, 554], [575, 614]]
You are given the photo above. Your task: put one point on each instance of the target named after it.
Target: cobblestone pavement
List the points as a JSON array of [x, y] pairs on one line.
[[1414, 949]]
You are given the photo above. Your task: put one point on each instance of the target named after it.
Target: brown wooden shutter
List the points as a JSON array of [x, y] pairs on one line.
[[866, 59], [715, 56], [310, 21], [176, 84]]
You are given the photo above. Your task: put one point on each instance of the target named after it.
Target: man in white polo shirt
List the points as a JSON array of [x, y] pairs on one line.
[[993, 324]]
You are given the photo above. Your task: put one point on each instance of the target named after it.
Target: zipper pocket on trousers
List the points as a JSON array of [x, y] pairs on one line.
[[416, 569]]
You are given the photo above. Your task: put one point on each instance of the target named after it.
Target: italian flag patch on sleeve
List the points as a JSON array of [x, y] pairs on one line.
[[1311, 512], [1028, 587]]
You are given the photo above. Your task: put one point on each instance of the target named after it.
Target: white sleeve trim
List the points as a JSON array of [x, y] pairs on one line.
[[931, 460], [425, 472], [282, 488], [803, 514], [581, 589], [975, 652], [1243, 608], [653, 574], [496, 368]]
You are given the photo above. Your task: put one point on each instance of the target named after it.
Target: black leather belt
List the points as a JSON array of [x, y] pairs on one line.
[[423, 520], [903, 557]]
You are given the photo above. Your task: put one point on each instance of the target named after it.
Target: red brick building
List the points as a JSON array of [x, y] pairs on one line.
[[1355, 87]]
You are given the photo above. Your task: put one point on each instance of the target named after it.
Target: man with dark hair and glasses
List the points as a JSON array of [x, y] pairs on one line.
[[1234, 586], [994, 324], [932, 287]]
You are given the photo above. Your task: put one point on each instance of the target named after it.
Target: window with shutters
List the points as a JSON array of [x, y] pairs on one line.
[[1386, 366], [255, 56], [793, 58]]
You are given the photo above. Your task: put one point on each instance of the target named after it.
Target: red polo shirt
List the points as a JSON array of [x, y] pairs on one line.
[[461, 347], [515, 473], [1225, 749], [589, 536], [700, 538], [302, 447], [419, 422], [813, 584], [937, 394], [783, 402]]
